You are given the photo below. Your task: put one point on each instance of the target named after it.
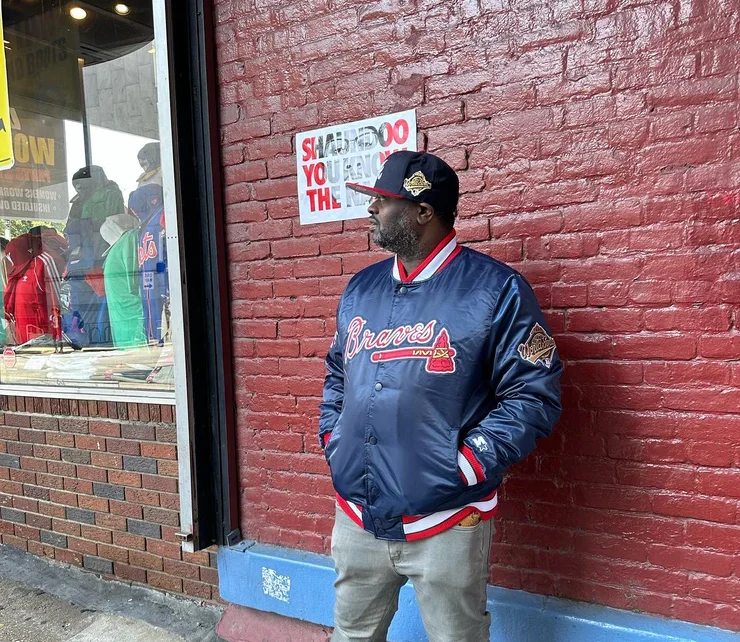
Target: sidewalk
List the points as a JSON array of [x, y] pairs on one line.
[[43, 601]]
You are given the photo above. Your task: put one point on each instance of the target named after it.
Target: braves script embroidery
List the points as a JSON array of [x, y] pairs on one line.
[[439, 356]]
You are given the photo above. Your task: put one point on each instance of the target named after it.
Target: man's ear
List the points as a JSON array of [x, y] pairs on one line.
[[425, 215]]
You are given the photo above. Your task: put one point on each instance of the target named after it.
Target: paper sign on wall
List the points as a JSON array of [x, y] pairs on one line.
[[328, 158]]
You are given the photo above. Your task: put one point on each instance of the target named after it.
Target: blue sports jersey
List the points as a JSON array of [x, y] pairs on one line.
[[152, 254]]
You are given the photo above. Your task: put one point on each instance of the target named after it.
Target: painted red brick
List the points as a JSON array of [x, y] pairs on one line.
[[611, 186]]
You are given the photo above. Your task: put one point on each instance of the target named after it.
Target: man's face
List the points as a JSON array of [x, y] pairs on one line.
[[392, 226]]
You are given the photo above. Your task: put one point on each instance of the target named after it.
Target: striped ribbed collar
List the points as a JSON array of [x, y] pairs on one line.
[[437, 260]]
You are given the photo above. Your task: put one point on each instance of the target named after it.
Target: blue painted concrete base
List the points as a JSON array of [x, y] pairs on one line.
[[300, 585]]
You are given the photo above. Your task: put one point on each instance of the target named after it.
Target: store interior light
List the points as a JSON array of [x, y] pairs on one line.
[[78, 13], [122, 9]]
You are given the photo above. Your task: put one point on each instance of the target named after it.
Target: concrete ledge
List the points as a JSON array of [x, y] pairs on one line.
[[240, 624], [299, 585]]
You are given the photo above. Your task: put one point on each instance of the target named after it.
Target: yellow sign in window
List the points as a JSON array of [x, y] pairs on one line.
[[6, 134]]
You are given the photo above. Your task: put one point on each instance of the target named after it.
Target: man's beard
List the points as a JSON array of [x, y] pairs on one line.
[[398, 237]]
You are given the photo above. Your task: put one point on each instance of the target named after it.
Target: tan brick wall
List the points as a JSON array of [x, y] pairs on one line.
[[95, 484]]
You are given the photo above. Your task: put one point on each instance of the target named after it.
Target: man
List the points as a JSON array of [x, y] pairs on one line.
[[442, 374]]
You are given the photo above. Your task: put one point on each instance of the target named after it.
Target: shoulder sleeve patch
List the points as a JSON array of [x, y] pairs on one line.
[[538, 348]]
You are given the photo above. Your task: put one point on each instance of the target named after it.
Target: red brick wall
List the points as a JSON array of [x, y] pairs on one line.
[[598, 151], [94, 484]]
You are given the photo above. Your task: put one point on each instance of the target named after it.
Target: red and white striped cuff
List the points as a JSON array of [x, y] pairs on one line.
[[469, 467], [352, 510]]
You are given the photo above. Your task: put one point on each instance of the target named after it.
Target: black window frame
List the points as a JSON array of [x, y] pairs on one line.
[[195, 128]]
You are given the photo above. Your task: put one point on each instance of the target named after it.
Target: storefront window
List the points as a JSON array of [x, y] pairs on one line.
[[84, 266]]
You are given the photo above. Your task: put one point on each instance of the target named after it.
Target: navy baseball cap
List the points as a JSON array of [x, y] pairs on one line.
[[416, 176]]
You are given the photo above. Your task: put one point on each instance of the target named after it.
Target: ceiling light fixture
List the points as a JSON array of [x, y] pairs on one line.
[[122, 9], [78, 13]]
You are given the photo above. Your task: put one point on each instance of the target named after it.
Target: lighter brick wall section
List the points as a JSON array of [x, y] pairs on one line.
[[90, 505]]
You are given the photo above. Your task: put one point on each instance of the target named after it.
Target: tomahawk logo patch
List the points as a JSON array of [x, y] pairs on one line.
[[440, 357], [538, 348], [435, 350]]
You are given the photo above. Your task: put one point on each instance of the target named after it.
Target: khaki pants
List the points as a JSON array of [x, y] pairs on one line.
[[449, 572]]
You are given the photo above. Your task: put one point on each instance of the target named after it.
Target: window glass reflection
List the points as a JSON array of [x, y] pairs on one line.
[[83, 259]]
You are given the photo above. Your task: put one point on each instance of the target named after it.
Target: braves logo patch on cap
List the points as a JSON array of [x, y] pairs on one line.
[[415, 176], [416, 184]]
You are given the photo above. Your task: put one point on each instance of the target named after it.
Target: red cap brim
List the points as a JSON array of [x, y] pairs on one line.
[[372, 191]]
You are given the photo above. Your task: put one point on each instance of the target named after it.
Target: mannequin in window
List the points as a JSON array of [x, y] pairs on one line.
[[147, 203], [147, 198], [151, 162], [121, 273], [32, 295], [97, 199]]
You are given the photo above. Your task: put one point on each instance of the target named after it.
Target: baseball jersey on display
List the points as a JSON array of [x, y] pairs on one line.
[[152, 263]]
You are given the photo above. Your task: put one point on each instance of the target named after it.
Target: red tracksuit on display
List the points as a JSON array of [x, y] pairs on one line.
[[32, 292]]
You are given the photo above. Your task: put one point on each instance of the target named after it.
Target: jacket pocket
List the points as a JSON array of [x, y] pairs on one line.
[[330, 443]]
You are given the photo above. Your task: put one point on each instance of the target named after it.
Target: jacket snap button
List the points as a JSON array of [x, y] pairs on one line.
[[403, 289], [380, 531], [372, 441], [378, 386]]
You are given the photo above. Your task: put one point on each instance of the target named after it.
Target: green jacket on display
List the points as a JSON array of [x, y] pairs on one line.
[[125, 309], [105, 201]]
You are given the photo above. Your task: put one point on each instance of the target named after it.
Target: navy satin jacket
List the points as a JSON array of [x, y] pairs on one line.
[[437, 382]]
